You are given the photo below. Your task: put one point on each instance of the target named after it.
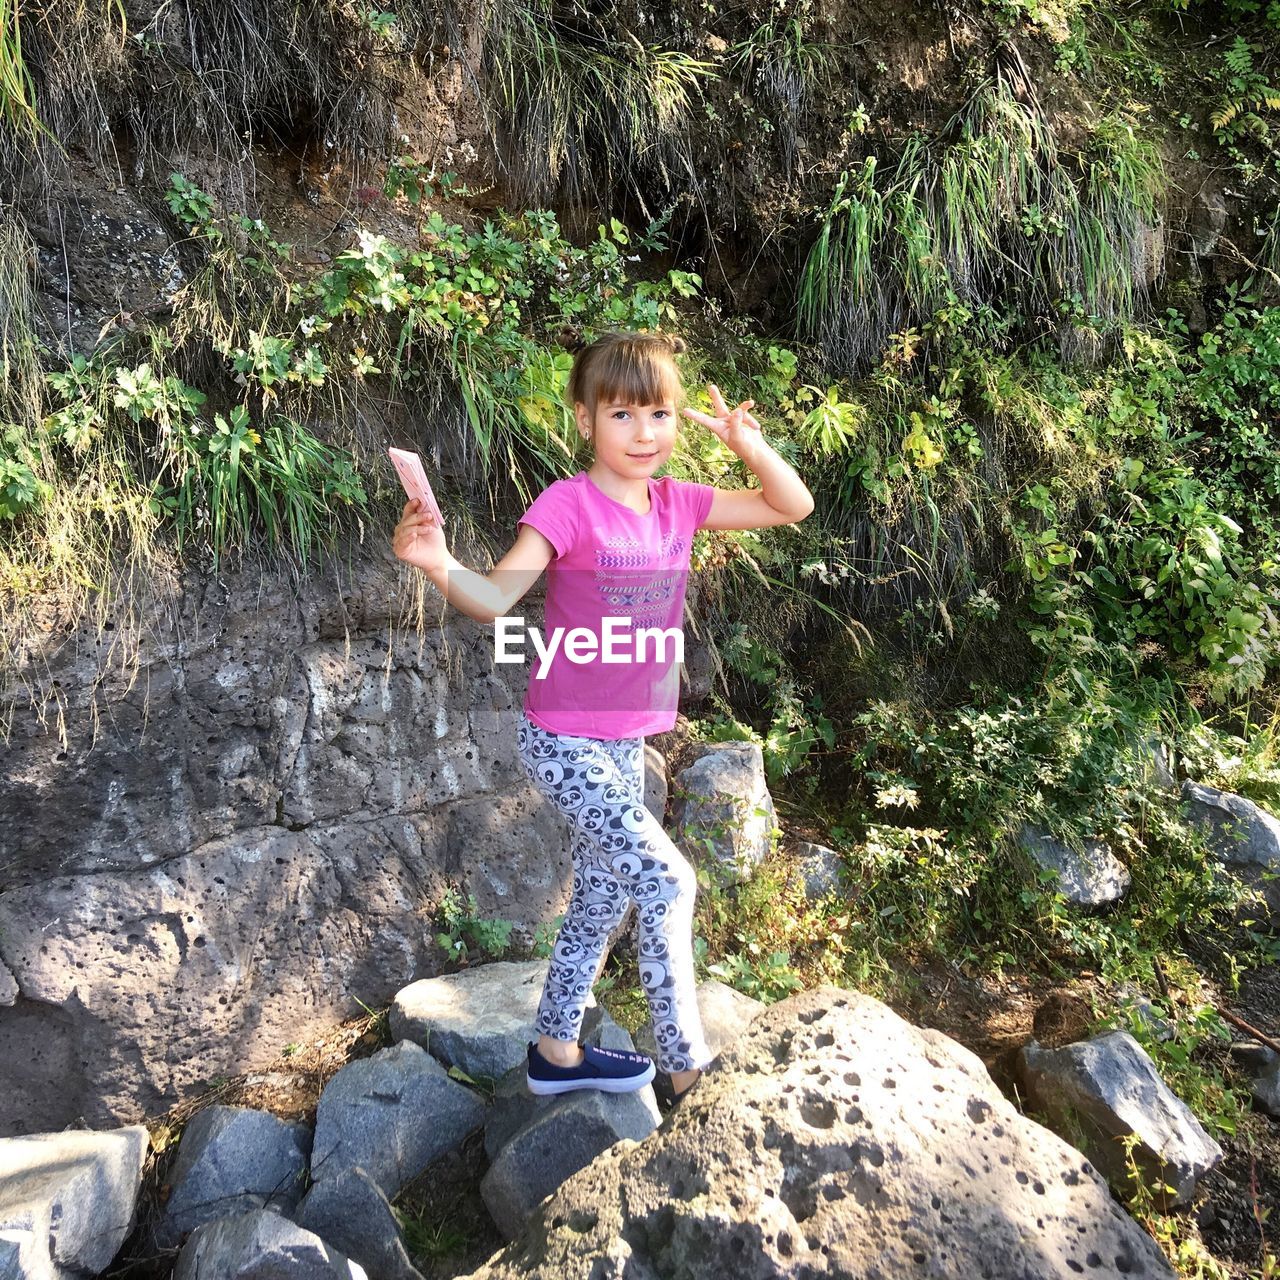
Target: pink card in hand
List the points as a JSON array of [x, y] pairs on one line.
[[409, 467]]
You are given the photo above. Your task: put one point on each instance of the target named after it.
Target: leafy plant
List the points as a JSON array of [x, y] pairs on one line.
[[465, 933]]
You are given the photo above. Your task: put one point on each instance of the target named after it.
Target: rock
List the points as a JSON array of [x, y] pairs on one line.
[[514, 1106], [1106, 1088], [722, 810], [726, 1014], [350, 1212], [561, 1137], [1241, 833], [260, 1245], [1090, 877], [1207, 221], [1250, 1055], [1266, 1092], [249, 840], [655, 781], [834, 1139], [480, 1019], [67, 1200], [1157, 760], [391, 1114], [8, 985], [820, 868], [231, 1160]]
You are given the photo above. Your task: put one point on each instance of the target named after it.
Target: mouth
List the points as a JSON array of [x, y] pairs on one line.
[[643, 457]]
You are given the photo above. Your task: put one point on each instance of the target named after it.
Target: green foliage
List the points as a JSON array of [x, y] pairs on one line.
[[986, 212], [465, 934], [761, 936]]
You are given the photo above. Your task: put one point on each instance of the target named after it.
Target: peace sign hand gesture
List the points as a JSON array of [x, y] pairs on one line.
[[735, 428]]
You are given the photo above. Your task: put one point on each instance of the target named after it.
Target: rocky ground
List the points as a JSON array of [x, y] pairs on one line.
[[450, 1232]]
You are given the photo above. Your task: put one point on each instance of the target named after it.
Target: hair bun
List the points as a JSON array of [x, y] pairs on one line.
[[678, 346], [571, 339]]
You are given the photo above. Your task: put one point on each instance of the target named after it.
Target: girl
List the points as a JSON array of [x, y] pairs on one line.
[[615, 543]]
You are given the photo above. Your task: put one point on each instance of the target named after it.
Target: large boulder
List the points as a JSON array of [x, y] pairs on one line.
[[1106, 1088], [67, 1200], [722, 811], [230, 1160], [835, 1139], [391, 1114], [250, 841], [655, 781]]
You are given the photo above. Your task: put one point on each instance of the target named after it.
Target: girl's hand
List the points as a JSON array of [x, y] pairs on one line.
[[418, 540], [735, 428]]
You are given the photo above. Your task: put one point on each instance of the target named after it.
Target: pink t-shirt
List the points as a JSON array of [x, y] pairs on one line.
[[612, 563]]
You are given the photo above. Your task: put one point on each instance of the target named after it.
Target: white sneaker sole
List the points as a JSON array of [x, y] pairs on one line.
[[606, 1084]]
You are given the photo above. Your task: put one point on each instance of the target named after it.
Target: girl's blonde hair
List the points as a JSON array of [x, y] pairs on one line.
[[627, 368]]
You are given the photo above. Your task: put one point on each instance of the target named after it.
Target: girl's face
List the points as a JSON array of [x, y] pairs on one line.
[[631, 440]]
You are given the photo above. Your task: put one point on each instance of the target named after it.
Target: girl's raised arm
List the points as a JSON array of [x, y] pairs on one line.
[[783, 498], [419, 541]]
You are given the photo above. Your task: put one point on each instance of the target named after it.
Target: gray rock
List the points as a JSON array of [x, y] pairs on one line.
[[834, 1139], [350, 1212], [248, 841], [1266, 1092], [726, 1013], [8, 985], [1091, 876], [1158, 761], [67, 1200], [513, 1106], [1244, 835], [230, 1160], [480, 1019], [722, 810], [1250, 1055], [561, 1137], [260, 1245], [655, 781], [820, 868], [1106, 1088], [1240, 832], [391, 1114]]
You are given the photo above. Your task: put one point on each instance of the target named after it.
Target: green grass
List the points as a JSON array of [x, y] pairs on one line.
[[988, 209], [581, 118]]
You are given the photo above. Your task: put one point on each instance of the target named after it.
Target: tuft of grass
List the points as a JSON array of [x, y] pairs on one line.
[[987, 211], [578, 114]]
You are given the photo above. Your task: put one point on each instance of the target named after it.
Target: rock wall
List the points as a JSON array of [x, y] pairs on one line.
[[246, 834]]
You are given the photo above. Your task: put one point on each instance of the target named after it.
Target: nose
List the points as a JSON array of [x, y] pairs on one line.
[[644, 429]]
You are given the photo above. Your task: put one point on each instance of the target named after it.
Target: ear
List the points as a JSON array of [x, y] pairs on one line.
[[583, 418]]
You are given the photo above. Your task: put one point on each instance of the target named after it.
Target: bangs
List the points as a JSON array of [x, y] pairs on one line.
[[638, 371]]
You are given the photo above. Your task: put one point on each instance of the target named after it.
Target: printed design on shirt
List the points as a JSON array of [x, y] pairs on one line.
[[624, 552]]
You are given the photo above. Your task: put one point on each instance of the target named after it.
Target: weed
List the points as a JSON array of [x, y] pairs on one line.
[[465, 934]]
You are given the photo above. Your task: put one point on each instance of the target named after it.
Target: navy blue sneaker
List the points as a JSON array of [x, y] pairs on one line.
[[611, 1070]]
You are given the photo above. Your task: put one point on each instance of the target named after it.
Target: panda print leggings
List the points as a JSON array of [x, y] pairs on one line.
[[620, 854]]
